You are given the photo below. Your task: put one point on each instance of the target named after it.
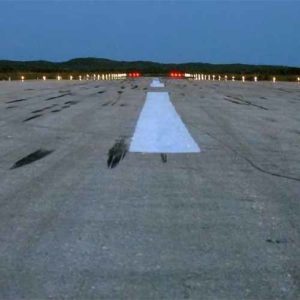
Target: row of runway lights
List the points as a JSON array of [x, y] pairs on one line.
[[219, 77], [172, 75], [95, 76]]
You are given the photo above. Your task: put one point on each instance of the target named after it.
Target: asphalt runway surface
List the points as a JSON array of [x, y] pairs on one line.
[[82, 217]]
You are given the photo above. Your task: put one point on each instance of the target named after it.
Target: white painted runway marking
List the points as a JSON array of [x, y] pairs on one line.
[[160, 129], [156, 83]]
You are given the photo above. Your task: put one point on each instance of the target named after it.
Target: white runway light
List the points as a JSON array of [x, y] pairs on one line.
[[156, 83], [274, 79], [160, 129], [255, 79], [243, 78]]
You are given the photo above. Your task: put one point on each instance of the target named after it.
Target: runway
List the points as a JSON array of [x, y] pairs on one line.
[[84, 215]]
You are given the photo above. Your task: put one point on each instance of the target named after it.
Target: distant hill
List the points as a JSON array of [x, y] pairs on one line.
[[145, 67]]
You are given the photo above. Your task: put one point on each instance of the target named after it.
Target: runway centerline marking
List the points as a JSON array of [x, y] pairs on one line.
[[160, 129], [156, 83]]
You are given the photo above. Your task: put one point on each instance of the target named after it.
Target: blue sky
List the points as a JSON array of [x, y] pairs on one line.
[[255, 32]]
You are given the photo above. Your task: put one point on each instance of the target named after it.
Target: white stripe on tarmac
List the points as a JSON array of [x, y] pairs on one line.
[[160, 129], [156, 83]]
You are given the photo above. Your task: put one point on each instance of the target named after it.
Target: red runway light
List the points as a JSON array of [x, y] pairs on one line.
[[176, 74], [134, 74]]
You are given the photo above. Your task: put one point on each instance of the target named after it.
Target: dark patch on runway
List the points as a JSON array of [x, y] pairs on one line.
[[263, 98], [106, 103], [30, 158], [117, 153], [71, 102], [101, 92], [270, 120], [12, 106], [60, 96], [145, 89], [55, 110], [43, 109], [38, 110], [134, 87], [122, 87], [18, 100], [33, 117], [120, 92], [276, 241], [66, 106], [295, 131], [164, 157], [283, 90], [29, 89], [123, 104]]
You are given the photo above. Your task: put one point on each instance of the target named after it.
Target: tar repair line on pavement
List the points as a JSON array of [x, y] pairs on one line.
[[160, 129]]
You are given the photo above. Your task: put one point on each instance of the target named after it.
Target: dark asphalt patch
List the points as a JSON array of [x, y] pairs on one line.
[[164, 157], [123, 104], [18, 100], [39, 154], [55, 110], [117, 153], [60, 96], [42, 109], [71, 102], [135, 87], [101, 92], [33, 117], [120, 92], [12, 106], [38, 111], [66, 106], [276, 241]]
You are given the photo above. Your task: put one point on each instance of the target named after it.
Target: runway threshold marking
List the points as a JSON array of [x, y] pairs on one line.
[[156, 83], [160, 129]]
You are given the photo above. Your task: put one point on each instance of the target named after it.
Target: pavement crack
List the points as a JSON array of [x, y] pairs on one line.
[[239, 100], [252, 163]]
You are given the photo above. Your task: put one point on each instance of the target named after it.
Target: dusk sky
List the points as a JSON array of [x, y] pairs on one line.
[[254, 32]]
